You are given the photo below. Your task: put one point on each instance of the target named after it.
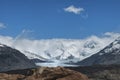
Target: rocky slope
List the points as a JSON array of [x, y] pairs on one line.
[[101, 72], [12, 59], [43, 73], [107, 56]]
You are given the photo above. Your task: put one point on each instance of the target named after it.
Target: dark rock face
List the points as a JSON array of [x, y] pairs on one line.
[[45, 73], [12, 59], [109, 55]]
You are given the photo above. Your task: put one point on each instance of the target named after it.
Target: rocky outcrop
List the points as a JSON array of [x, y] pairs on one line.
[[45, 73], [4, 76], [58, 73]]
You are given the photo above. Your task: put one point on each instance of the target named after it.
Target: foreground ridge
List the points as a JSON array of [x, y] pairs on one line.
[[43, 73]]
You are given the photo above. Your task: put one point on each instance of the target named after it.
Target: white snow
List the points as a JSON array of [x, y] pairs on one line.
[[117, 46], [114, 46], [33, 55], [101, 54], [1, 45], [60, 49]]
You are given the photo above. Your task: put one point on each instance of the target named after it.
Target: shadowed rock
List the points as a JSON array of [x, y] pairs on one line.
[[12, 59]]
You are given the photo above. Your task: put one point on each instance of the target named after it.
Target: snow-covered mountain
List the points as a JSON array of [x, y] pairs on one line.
[[62, 49], [59, 49], [107, 56], [113, 48]]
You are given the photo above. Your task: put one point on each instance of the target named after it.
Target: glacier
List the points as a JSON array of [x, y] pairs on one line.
[[63, 50]]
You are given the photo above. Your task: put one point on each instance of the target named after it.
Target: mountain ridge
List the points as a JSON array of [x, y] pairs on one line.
[[12, 59], [107, 56]]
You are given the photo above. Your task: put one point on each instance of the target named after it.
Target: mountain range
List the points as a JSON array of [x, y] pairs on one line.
[[87, 52], [110, 55], [61, 49], [64, 50]]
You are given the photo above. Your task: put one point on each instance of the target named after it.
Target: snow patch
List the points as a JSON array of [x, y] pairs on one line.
[[1, 45]]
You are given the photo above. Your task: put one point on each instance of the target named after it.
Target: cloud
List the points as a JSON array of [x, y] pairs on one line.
[[112, 34], [25, 34], [56, 47], [2, 25], [74, 9]]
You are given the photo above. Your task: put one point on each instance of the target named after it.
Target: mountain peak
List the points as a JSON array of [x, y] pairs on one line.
[[113, 48], [109, 55]]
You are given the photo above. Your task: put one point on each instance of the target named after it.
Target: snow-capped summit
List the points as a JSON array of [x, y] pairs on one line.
[[113, 48], [107, 56], [90, 44]]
